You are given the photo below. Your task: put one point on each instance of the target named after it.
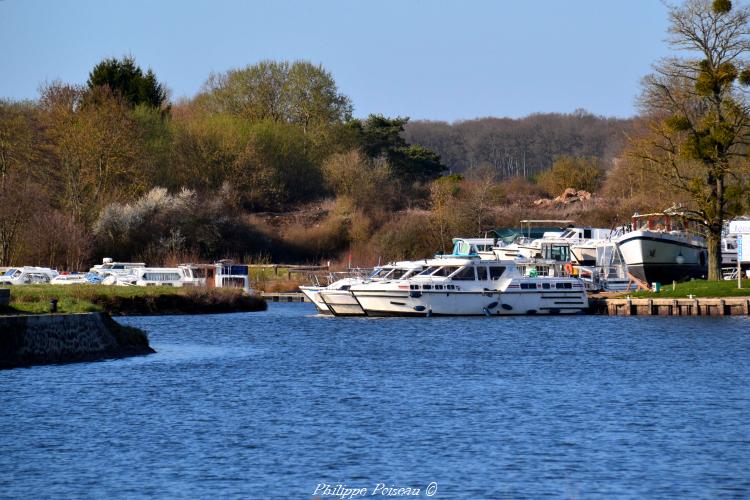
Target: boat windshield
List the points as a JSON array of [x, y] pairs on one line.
[[659, 222], [496, 272], [381, 273], [428, 271], [465, 274], [445, 271], [9, 272], [569, 233], [398, 273], [163, 276]]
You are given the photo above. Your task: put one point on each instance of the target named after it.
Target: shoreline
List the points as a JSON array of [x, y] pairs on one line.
[[129, 301], [45, 339], [703, 306]]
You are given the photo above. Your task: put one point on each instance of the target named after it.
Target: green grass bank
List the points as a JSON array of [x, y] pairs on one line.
[[119, 301], [698, 289]]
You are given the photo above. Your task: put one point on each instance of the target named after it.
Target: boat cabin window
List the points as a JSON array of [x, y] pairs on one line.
[[465, 274], [408, 273], [496, 272], [161, 277], [528, 286], [445, 271], [482, 273], [563, 285], [438, 287], [428, 271], [560, 253], [545, 286], [587, 233], [398, 274], [381, 273], [568, 233]]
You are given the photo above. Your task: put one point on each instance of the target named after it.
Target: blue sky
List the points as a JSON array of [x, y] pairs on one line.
[[427, 59]]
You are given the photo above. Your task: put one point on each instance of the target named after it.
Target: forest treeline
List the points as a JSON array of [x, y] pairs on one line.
[[522, 147], [267, 163]]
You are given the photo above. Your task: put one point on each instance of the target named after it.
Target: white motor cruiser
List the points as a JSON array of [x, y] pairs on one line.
[[70, 279], [27, 275], [181, 276], [336, 299], [575, 244], [467, 285], [108, 267], [312, 292], [663, 247]]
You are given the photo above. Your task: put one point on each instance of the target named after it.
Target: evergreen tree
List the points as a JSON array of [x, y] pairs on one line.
[[128, 80]]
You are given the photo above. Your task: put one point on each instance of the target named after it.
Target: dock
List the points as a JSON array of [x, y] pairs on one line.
[[728, 306], [284, 297]]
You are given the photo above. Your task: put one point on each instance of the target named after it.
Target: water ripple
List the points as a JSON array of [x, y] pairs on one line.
[[269, 405]]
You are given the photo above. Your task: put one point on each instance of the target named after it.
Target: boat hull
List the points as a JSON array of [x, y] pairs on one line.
[[341, 303], [652, 257], [490, 303], [313, 294]]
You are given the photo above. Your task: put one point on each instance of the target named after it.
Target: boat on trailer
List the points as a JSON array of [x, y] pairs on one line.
[[664, 247]]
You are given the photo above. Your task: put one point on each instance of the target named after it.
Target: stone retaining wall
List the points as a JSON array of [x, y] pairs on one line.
[[64, 338], [728, 306]]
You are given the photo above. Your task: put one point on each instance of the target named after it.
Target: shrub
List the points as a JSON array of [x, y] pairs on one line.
[[572, 172]]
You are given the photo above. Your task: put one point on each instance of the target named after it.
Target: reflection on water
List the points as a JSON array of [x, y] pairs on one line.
[[272, 404]]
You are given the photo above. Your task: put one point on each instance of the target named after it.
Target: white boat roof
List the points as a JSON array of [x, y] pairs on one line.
[[547, 221], [454, 260]]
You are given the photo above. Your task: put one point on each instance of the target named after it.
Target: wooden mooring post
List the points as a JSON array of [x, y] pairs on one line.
[[728, 306]]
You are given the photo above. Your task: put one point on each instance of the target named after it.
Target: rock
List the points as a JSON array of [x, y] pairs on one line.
[[568, 196]]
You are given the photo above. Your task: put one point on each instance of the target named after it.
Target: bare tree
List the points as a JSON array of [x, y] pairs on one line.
[[18, 154], [697, 114]]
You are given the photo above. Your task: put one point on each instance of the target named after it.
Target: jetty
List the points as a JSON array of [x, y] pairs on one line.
[[704, 306]]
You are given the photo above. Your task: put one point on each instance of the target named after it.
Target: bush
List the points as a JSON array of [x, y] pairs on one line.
[[406, 237], [571, 172]]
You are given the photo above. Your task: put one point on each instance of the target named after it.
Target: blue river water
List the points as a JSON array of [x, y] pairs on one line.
[[281, 403]]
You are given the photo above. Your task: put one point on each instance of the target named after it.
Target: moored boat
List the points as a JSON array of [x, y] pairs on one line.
[[27, 275], [70, 279], [339, 301], [465, 286]]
